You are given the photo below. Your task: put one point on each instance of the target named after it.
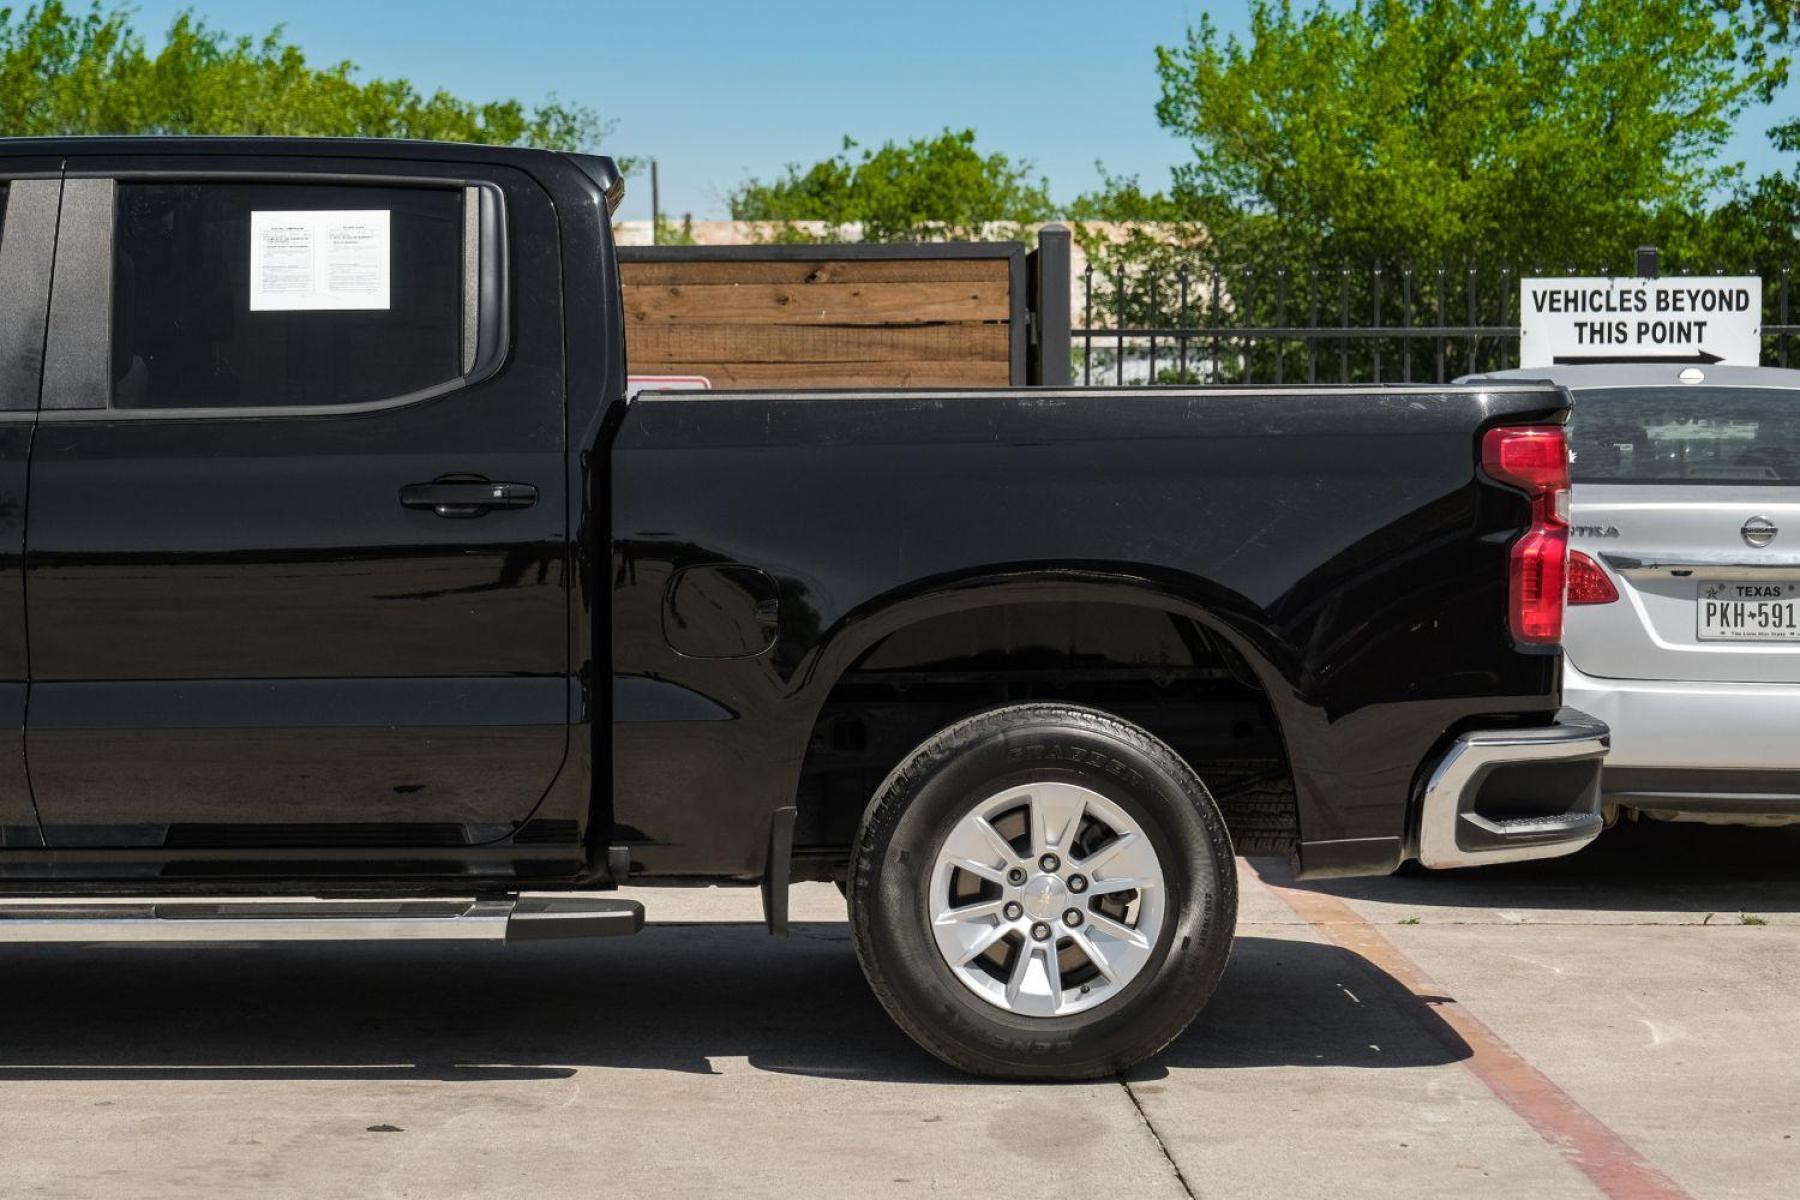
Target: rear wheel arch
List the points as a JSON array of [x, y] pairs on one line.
[[1140, 651], [1211, 607]]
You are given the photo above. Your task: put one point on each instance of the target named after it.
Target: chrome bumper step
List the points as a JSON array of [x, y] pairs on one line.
[[128, 920], [1454, 832]]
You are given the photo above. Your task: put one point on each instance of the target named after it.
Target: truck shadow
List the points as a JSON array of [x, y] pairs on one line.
[[673, 999], [1637, 866]]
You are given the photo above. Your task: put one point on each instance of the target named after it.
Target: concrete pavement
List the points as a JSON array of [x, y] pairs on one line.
[[703, 1058]]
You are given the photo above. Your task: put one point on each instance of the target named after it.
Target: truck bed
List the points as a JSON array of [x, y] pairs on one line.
[[1337, 547]]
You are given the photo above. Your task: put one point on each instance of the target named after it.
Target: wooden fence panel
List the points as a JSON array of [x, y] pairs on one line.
[[827, 316]]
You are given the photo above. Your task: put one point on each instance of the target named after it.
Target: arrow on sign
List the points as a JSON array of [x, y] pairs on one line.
[[1570, 360]]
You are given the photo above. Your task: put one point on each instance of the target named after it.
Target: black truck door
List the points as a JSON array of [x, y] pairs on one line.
[[29, 189], [297, 570]]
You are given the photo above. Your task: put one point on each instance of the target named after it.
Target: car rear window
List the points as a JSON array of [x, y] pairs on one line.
[[1686, 435]]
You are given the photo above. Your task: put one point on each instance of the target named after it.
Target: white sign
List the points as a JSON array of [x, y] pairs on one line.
[[1714, 319], [318, 260]]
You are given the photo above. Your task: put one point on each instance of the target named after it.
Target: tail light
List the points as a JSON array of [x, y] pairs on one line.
[[1536, 459], [1588, 584]]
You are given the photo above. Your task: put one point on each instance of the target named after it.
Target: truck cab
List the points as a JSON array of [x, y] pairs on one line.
[[297, 553]]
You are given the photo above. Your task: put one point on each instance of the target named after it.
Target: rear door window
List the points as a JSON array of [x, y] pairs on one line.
[[1686, 435], [212, 308]]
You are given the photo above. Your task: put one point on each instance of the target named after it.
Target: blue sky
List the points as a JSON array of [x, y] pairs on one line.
[[718, 90]]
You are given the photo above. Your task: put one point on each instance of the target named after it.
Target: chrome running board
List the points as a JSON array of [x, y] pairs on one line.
[[101, 920]]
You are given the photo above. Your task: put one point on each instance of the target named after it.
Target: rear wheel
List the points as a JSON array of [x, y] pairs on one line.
[[1043, 891]]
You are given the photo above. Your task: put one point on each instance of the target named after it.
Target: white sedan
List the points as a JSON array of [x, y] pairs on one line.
[[1683, 627]]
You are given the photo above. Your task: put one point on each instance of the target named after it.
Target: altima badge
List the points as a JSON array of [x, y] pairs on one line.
[[1759, 531]]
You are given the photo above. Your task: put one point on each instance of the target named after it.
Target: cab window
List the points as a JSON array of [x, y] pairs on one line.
[[253, 295]]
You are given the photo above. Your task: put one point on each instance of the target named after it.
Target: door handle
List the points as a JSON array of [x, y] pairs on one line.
[[465, 497]]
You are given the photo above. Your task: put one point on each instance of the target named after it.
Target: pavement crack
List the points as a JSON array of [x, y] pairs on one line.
[[1186, 1188]]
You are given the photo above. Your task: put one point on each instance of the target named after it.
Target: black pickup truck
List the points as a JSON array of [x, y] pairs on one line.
[[345, 594]]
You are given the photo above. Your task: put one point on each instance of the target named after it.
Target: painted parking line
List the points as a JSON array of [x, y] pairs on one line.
[[1610, 1162]]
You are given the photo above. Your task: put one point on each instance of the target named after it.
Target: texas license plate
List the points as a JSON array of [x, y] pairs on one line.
[[1748, 612]]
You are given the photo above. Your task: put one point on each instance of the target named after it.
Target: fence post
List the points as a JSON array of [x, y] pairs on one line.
[[1048, 362], [1647, 264]]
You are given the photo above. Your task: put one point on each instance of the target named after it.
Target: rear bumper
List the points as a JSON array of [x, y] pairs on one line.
[[1508, 795], [1712, 793], [1692, 726]]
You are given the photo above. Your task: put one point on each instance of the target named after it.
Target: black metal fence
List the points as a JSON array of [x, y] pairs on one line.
[[1175, 322]]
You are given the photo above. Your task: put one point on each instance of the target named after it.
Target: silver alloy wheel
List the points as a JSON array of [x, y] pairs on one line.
[[1047, 899]]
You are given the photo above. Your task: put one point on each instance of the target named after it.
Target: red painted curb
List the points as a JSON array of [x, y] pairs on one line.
[[1610, 1162]]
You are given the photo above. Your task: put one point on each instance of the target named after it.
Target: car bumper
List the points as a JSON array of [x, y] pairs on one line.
[[1692, 726], [1514, 794], [1696, 747]]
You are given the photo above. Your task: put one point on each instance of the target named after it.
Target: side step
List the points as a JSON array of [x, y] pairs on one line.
[[128, 920]]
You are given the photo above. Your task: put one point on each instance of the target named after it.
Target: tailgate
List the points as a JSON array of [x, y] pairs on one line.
[[1673, 556]]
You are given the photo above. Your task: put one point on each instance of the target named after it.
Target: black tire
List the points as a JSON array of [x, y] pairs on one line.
[[916, 806]]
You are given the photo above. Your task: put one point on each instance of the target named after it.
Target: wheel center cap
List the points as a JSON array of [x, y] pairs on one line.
[[1044, 897]]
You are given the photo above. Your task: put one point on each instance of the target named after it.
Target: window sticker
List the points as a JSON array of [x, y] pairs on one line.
[[322, 260]]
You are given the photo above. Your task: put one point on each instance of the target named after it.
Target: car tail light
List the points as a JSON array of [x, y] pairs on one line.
[[1588, 584], [1536, 459]]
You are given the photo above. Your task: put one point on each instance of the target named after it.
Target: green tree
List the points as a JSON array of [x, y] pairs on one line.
[[1759, 226], [939, 187], [65, 71], [1513, 131], [1123, 198]]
